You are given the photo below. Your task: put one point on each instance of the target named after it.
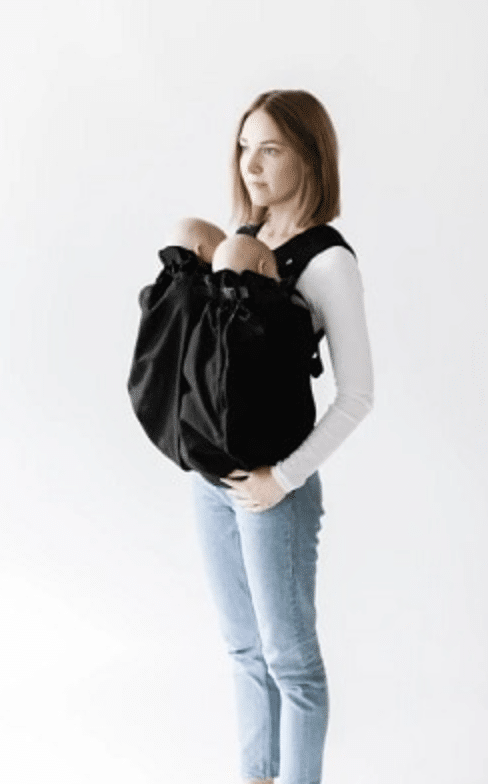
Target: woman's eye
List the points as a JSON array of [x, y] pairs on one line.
[[272, 150]]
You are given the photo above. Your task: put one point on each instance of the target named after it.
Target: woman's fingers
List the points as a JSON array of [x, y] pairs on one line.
[[237, 475], [259, 493]]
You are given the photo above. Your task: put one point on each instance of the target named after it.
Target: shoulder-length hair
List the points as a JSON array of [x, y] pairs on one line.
[[306, 125]]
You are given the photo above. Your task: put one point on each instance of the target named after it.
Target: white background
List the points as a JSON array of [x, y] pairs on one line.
[[117, 119]]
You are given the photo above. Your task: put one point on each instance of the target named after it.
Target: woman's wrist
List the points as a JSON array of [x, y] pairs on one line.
[[281, 479]]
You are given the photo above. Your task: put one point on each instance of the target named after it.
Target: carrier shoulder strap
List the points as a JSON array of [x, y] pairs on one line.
[[293, 256]]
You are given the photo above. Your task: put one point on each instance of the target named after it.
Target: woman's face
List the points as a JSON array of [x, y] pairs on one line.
[[270, 168]]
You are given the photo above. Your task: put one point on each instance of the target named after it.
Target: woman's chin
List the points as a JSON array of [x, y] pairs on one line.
[[259, 202]]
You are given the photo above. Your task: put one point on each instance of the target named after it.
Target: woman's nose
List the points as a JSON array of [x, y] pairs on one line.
[[253, 164]]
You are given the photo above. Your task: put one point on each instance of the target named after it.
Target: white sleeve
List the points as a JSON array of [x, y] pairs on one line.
[[332, 285]]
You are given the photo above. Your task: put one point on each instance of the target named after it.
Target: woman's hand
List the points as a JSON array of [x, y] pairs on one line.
[[258, 492]]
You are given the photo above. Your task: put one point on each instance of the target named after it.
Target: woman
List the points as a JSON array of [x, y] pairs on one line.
[[259, 535]]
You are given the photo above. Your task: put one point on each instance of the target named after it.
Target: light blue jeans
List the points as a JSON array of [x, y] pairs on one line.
[[261, 568]]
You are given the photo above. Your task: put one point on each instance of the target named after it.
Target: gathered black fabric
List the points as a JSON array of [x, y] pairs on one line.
[[221, 373], [247, 368], [170, 308]]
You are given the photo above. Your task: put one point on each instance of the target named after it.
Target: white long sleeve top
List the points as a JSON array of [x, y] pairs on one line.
[[333, 288]]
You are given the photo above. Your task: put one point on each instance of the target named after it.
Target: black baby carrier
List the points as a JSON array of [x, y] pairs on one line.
[[221, 373]]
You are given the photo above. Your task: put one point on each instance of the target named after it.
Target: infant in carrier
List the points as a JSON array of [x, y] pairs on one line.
[[248, 401], [220, 378], [238, 252]]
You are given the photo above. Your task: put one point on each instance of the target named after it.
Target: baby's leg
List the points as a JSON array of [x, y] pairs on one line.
[[197, 235], [242, 252]]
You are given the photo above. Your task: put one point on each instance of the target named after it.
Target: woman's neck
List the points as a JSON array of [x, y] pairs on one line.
[[279, 225], [276, 234]]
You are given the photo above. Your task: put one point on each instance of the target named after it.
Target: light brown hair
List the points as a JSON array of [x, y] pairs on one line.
[[306, 125]]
